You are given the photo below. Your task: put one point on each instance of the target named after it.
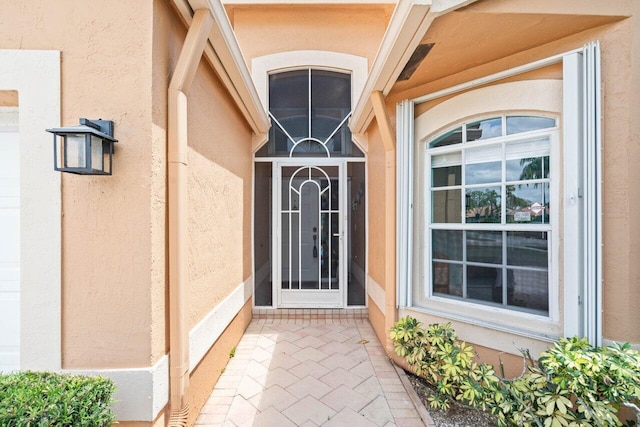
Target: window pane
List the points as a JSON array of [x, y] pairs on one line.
[[449, 138], [447, 279], [484, 283], [484, 246], [528, 203], [484, 129], [483, 205], [483, 165], [529, 168], [447, 176], [446, 244], [289, 101], [527, 248], [330, 101], [519, 124], [445, 206], [483, 173], [528, 289]]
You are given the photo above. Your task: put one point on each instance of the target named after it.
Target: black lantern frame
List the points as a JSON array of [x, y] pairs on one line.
[[86, 149]]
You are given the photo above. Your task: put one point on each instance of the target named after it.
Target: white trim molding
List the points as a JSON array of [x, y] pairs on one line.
[[409, 23], [35, 74], [223, 53], [204, 335], [141, 393], [404, 201]]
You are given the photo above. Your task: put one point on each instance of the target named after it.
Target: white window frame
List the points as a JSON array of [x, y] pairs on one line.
[[579, 303], [552, 228]]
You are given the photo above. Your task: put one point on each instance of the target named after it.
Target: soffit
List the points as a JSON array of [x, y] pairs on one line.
[[466, 39]]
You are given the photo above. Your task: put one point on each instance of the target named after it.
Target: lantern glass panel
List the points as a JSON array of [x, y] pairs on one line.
[[75, 151], [97, 158]]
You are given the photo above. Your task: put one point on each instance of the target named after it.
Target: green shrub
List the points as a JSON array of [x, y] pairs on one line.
[[572, 384], [50, 399]]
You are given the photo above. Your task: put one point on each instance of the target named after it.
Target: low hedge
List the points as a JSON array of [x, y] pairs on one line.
[[50, 399]]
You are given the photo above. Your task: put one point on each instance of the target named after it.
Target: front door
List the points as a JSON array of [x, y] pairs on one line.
[[309, 234]]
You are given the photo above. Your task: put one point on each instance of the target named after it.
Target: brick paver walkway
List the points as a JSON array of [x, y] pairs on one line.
[[309, 372]]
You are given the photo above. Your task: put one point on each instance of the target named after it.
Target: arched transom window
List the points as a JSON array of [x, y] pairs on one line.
[[309, 110]]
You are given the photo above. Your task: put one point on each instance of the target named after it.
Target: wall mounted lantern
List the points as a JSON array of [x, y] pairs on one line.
[[86, 149]]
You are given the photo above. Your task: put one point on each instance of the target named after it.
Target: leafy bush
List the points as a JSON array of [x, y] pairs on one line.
[[48, 399], [572, 384]]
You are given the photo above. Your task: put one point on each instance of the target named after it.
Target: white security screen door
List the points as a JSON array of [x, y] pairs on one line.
[[9, 252], [310, 230]]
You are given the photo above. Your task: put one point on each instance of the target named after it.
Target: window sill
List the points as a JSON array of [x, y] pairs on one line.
[[523, 324]]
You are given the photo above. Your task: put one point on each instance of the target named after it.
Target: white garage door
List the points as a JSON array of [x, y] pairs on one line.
[[9, 251]]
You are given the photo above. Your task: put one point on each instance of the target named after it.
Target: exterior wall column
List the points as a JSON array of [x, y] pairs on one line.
[[389, 141]]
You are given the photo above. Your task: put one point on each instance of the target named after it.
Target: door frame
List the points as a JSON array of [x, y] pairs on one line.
[[276, 225]]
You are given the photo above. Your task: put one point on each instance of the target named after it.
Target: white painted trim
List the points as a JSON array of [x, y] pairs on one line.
[[141, 393], [35, 74], [494, 77], [542, 97], [262, 66], [377, 294], [408, 25], [204, 335], [483, 333], [9, 119], [224, 54], [592, 185], [573, 274], [404, 201]]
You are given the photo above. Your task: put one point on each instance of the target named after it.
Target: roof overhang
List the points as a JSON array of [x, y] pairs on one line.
[[223, 53], [408, 25]]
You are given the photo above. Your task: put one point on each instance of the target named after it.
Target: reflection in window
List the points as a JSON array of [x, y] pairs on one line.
[[497, 195], [520, 124], [309, 112], [449, 138], [484, 129]]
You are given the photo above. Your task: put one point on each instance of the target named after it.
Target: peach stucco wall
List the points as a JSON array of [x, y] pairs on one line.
[[106, 256], [620, 46], [376, 187], [220, 174], [116, 64], [357, 30]]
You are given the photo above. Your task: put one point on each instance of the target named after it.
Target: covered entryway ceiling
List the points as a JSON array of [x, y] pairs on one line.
[[484, 32]]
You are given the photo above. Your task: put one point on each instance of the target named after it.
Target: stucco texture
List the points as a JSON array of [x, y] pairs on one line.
[[219, 179], [619, 39], [106, 260], [263, 30], [377, 189]]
